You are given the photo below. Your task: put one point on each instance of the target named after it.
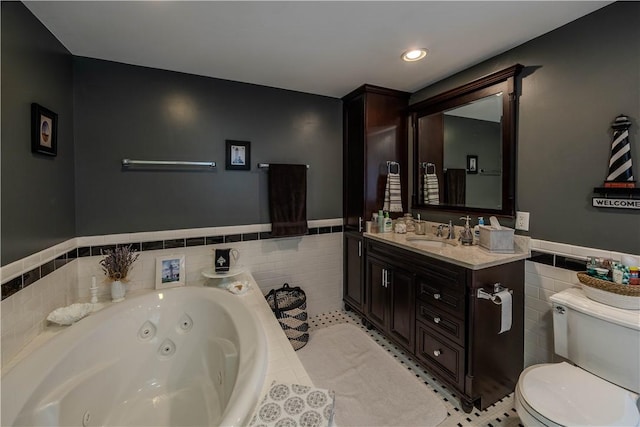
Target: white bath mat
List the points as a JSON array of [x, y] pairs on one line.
[[371, 388]]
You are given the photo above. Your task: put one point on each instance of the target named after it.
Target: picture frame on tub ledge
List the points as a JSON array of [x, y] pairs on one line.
[[170, 271]]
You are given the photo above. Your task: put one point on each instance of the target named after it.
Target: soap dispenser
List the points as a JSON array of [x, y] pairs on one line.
[[466, 236], [476, 229], [388, 223]]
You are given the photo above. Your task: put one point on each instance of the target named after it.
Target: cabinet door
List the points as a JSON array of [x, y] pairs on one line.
[[402, 308], [353, 290], [377, 293]]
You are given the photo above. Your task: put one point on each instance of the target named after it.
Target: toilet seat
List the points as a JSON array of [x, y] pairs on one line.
[[561, 394]]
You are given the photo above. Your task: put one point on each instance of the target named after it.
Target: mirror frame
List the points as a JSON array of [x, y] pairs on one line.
[[503, 80]]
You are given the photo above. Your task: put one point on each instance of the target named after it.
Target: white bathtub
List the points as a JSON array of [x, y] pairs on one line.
[[183, 356]]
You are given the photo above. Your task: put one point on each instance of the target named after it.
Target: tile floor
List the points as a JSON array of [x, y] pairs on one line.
[[501, 414]]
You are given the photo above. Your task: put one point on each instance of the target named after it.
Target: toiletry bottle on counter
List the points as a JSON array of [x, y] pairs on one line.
[[388, 224], [380, 221], [634, 276], [476, 229]]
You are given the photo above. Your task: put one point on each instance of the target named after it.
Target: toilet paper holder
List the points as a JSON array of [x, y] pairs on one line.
[[493, 296]]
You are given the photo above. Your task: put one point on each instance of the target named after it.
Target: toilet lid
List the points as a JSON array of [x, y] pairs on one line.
[[571, 396]]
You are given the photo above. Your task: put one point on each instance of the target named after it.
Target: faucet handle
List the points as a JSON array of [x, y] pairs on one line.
[[452, 231]]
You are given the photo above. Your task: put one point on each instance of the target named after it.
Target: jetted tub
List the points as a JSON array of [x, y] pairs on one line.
[[191, 356]]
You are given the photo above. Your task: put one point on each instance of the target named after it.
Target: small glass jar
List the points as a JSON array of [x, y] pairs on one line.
[[408, 220]]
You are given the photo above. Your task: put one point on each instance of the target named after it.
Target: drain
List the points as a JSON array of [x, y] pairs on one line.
[[147, 331], [185, 323], [86, 418], [167, 348]]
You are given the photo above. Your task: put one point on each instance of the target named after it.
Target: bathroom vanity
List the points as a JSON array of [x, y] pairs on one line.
[[423, 296]]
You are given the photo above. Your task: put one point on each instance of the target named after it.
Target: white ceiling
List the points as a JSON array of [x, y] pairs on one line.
[[320, 47]]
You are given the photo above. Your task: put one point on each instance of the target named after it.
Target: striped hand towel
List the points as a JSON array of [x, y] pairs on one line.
[[393, 194], [431, 189]]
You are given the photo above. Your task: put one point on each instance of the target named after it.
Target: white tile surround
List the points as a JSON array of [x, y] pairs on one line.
[[283, 365], [540, 282], [313, 262]]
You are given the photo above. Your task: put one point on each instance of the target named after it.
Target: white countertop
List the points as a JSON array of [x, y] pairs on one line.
[[472, 257]]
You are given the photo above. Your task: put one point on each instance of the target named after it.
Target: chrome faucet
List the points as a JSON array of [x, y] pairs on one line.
[[450, 230]]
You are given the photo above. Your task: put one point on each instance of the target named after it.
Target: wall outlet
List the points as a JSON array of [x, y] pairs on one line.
[[522, 221]]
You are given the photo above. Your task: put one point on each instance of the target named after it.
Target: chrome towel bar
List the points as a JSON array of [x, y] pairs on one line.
[[266, 166], [129, 162]]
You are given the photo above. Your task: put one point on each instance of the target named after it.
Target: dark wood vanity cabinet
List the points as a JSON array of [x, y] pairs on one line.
[[374, 132], [391, 298], [353, 290], [430, 308]]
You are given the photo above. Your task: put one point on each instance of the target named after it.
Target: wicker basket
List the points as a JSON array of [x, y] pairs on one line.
[[290, 308], [605, 285]]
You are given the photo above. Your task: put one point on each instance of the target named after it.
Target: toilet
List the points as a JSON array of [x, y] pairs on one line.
[[602, 388]]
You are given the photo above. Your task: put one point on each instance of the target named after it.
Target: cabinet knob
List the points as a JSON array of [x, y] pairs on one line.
[[437, 353], [436, 320], [436, 296]]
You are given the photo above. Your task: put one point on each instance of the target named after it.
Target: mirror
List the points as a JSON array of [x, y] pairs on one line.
[[464, 147]]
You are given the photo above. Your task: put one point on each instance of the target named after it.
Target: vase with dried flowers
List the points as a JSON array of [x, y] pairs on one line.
[[116, 266]]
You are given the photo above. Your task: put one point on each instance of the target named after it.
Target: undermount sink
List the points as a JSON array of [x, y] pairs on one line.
[[430, 243]]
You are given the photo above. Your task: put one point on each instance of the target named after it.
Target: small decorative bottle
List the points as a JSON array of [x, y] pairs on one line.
[[94, 290]]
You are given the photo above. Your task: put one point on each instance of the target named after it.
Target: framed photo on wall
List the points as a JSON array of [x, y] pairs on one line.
[[44, 130], [170, 271], [238, 155], [472, 163]]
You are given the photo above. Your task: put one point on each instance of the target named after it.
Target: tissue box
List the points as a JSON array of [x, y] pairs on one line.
[[495, 240]]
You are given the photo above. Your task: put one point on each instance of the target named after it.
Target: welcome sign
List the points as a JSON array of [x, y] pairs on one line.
[[605, 202]]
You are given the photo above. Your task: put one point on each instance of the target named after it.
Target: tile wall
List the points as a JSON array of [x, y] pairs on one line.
[[313, 262], [552, 268], [35, 286]]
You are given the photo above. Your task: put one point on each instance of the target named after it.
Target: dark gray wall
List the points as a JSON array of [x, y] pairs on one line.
[[37, 190], [124, 111], [578, 79]]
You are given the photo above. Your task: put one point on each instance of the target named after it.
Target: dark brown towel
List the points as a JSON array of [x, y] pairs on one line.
[[288, 199], [455, 187]]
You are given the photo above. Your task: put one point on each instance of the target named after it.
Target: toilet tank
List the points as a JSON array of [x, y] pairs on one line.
[[601, 339]]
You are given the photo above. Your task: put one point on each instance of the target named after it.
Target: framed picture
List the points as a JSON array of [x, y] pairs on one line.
[[472, 163], [44, 130], [238, 155], [170, 271]]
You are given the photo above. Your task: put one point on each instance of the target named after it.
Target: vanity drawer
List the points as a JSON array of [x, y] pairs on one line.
[[444, 358], [448, 325], [440, 296]]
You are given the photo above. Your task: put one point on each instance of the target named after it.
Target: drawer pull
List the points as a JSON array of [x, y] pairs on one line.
[[436, 296], [436, 320], [437, 353]]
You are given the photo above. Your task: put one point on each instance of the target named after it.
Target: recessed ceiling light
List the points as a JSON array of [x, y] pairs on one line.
[[414, 55]]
